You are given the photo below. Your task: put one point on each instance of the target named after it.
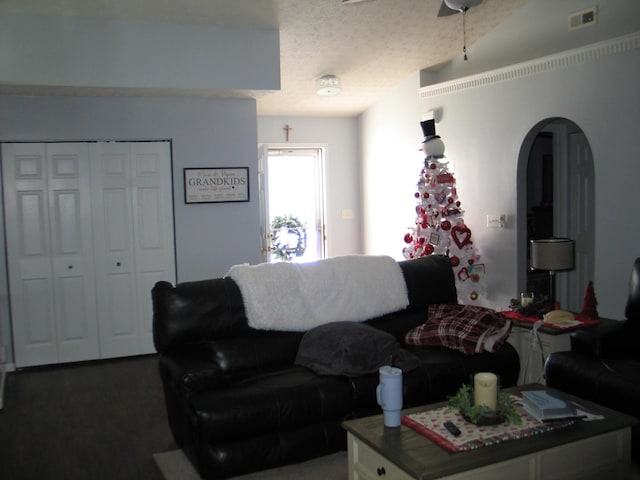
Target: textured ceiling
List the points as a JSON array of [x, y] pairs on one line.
[[372, 45]]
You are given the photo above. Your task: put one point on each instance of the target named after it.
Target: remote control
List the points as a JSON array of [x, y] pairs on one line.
[[453, 430]]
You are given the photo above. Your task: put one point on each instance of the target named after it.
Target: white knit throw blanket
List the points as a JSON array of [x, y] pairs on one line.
[[297, 297]]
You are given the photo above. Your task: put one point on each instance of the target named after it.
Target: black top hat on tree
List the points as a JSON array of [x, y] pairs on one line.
[[432, 144]]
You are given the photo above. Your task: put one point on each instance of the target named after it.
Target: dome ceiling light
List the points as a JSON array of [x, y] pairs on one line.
[[328, 85]]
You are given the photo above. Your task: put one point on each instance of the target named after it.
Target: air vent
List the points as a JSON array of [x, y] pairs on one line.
[[584, 18]]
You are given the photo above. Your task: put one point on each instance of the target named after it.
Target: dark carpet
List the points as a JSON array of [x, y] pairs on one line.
[[97, 420]]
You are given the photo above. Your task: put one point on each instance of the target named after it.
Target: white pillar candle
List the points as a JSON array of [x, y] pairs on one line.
[[526, 299], [485, 390]]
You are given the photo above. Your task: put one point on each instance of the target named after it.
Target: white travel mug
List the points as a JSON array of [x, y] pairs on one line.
[[389, 395]]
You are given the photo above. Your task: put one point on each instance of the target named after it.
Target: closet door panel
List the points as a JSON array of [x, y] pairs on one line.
[[153, 227], [114, 249], [121, 288], [28, 254], [37, 328], [72, 251]]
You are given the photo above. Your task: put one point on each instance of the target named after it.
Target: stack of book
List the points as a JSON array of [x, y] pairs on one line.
[[548, 406]]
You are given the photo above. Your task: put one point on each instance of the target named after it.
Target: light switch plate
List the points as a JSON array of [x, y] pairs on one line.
[[496, 220]]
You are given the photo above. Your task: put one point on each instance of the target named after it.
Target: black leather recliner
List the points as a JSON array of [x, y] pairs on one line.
[[604, 363]]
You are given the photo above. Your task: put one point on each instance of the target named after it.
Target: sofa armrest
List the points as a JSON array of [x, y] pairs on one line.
[[608, 339], [190, 370]]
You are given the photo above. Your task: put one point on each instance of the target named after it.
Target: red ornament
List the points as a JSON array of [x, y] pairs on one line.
[[428, 248], [446, 225], [421, 240], [433, 166], [445, 178], [425, 194], [463, 274], [417, 194], [408, 238], [450, 200], [455, 261], [458, 203], [461, 235], [470, 261]]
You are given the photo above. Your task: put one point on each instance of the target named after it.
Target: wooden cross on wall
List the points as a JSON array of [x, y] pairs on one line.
[[287, 129]]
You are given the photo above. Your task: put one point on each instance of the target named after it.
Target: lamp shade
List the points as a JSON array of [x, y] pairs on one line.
[[552, 254]]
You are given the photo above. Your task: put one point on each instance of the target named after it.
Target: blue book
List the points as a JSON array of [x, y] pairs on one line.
[[546, 406]]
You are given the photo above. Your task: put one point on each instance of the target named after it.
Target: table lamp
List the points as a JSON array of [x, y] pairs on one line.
[[552, 254]]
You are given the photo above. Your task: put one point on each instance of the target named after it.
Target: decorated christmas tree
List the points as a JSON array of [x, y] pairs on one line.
[[439, 227]]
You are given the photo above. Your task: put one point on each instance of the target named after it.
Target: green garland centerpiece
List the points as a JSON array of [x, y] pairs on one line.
[[481, 415], [289, 238]]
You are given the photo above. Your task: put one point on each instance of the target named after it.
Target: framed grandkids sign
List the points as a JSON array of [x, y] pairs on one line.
[[212, 185]]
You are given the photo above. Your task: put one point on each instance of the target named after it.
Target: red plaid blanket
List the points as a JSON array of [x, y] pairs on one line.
[[468, 328]]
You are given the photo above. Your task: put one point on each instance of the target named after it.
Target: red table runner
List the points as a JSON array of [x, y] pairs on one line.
[[430, 423]]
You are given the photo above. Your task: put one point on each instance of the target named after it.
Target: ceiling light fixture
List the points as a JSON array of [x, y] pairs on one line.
[[328, 85]]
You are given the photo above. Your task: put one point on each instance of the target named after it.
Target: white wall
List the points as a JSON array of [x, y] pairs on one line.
[[342, 171], [77, 52], [391, 140], [484, 128], [210, 238]]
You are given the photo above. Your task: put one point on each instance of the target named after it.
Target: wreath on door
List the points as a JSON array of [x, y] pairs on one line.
[[289, 237]]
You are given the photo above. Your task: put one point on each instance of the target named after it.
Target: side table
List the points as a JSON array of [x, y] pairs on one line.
[[535, 342], [534, 347]]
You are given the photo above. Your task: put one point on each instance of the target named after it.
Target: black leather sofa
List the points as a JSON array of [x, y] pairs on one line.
[[238, 403], [603, 364]]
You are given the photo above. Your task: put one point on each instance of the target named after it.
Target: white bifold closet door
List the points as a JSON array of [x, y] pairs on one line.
[[89, 230], [50, 252], [133, 238]]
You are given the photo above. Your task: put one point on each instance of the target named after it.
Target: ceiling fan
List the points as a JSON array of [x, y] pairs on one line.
[[451, 7], [448, 7]]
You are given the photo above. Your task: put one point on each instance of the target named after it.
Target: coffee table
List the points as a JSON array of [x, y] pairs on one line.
[[596, 449]]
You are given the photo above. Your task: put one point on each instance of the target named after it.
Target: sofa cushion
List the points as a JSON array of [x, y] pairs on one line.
[[269, 402], [467, 328], [253, 352], [351, 349]]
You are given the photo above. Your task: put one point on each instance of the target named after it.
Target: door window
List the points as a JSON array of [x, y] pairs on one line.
[[294, 191]]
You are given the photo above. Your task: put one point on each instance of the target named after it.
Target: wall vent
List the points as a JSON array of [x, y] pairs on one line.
[[583, 18]]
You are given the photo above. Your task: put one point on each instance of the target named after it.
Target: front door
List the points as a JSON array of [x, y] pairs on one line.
[[292, 192]]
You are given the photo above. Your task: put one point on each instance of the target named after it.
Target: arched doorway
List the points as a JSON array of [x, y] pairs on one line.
[[556, 198]]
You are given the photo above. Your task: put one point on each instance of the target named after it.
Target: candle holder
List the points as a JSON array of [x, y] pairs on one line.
[[506, 411]]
